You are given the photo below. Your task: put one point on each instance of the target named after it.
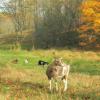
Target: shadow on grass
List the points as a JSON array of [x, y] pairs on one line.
[[33, 85], [23, 85]]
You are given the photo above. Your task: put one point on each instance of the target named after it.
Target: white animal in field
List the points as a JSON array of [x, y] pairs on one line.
[[26, 61], [57, 69]]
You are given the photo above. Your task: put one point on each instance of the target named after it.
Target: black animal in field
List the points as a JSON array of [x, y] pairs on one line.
[[15, 61], [42, 63]]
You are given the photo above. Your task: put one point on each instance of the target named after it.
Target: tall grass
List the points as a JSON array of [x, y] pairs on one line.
[[29, 82]]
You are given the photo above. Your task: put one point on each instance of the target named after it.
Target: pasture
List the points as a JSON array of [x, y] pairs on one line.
[[22, 81]]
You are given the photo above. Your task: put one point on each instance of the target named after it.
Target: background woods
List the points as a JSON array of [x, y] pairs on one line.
[[34, 31], [50, 23]]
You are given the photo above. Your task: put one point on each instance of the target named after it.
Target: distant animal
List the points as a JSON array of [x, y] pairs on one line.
[[15, 61], [58, 69], [26, 61], [41, 62]]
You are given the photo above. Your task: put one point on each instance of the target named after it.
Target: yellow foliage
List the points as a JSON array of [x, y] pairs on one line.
[[89, 12], [90, 22]]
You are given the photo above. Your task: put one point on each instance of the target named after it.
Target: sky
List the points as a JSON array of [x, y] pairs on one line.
[[2, 4], [3, 1]]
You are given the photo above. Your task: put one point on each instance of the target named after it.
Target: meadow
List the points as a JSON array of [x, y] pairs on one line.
[[22, 81]]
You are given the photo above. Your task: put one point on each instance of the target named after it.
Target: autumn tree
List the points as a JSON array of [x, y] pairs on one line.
[[90, 24]]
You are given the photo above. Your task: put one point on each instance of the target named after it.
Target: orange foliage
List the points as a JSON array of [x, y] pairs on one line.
[[82, 44], [90, 22], [83, 36], [83, 27], [92, 40], [98, 45]]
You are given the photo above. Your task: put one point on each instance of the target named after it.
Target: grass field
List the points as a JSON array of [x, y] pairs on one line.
[[28, 81]]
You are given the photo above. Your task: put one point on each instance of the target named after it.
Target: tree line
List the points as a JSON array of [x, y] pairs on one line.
[[57, 23]]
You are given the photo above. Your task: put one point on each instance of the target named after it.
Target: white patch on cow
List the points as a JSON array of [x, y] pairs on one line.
[[63, 70]]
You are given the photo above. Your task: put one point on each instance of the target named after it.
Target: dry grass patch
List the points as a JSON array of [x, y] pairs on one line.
[[28, 84]]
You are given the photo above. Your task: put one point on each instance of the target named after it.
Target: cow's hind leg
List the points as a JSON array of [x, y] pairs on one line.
[[65, 83], [56, 84]]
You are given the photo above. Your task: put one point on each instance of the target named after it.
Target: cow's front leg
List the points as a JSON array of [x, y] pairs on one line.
[[50, 85], [65, 84]]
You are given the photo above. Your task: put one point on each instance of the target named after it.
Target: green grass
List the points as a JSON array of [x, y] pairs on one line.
[[28, 81]]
